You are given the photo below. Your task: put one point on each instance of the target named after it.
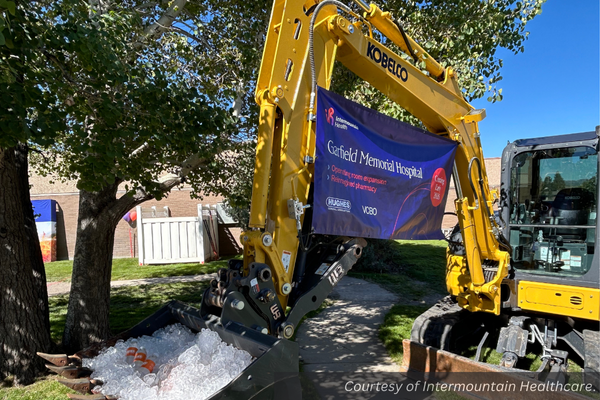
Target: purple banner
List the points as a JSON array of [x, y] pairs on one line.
[[375, 176]]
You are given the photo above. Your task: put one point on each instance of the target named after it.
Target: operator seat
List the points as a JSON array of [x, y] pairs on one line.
[[571, 206]]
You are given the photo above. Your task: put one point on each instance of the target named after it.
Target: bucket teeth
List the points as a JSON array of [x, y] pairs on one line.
[[81, 385], [60, 360], [96, 382], [89, 397], [70, 371]]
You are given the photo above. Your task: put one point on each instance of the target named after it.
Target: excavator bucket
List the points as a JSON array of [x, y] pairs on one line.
[[428, 364], [245, 312], [272, 374]]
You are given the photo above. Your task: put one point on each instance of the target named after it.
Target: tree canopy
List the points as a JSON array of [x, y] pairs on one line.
[[128, 90], [140, 96], [28, 111], [462, 34], [109, 92]]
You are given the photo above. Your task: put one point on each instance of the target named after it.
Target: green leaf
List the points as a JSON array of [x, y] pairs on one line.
[[9, 5], [2, 40]]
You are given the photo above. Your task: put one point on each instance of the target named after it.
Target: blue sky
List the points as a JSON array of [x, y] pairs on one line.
[[553, 87]]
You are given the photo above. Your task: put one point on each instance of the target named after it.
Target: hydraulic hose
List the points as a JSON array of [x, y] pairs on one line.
[[501, 239], [311, 51], [471, 181]]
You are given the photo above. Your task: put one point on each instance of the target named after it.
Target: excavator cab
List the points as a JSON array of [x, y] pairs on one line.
[[550, 298], [549, 207], [553, 205]]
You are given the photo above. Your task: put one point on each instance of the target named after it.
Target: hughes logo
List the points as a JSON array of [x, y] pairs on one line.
[[381, 57], [338, 204]]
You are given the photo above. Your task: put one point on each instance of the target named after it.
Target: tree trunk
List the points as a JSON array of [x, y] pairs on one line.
[[33, 242], [23, 325], [89, 300]]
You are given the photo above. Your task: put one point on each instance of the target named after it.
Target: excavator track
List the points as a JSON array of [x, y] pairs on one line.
[[592, 358], [442, 332], [442, 325]]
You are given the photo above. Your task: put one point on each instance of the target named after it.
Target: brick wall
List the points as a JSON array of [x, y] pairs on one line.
[[179, 202]]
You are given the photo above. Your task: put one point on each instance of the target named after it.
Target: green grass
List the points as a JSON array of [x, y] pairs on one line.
[[130, 304], [424, 260], [402, 285], [396, 327], [410, 269], [46, 389], [128, 268]]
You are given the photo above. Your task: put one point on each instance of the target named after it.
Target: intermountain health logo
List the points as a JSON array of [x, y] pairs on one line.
[[329, 114]]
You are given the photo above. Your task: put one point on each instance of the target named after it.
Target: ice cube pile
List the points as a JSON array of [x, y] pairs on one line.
[[184, 363]]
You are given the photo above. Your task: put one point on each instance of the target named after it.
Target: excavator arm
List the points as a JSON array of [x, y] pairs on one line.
[[436, 100], [303, 41]]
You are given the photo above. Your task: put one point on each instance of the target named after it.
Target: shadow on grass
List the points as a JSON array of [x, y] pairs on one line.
[[131, 304], [424, 261], [128, 268], [410, 269]]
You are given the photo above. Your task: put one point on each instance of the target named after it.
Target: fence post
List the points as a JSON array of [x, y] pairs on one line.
[[214, 219], [210, 248], [140, 234], [200, 236]]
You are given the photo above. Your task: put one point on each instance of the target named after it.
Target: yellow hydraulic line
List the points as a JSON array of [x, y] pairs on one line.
[[471, 244], [262, 167], [308, 137]]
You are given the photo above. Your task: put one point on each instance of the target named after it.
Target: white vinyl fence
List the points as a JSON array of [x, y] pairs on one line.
[[167, 240]]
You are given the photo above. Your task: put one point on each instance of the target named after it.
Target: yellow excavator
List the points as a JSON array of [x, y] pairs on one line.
[[528, 273]]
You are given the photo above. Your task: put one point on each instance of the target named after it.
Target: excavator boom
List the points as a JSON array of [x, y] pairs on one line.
[[304, 39]]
